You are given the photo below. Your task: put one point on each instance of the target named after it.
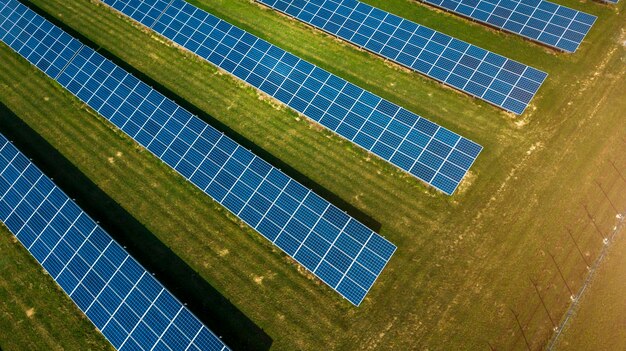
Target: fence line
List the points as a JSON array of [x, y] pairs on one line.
[[621, 223]]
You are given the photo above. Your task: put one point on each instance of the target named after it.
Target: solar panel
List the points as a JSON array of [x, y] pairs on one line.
[[426, 150], [338, 249], [55, 47], [145, 12], [611, 1], [493, 78], [541, 21], [131, 308]]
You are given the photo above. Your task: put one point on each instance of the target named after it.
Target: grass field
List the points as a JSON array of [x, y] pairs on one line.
[[463, 262], [598, 322]]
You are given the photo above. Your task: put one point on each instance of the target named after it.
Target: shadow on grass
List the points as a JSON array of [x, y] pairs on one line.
[[259, 151], [213, 309]]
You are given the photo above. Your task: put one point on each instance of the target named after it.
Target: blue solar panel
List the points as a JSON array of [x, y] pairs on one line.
[[43, 44], [493, 78], [429, 152], [338, 249], [542, 21], [131, 308], [145, 12]]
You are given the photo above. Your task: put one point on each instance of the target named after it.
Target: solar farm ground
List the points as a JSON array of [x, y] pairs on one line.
[[463, 262], [594, 326]]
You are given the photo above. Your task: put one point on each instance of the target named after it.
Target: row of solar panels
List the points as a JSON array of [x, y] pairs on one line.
[[424, 149], [542, 21], [500, 81], [131, 308]]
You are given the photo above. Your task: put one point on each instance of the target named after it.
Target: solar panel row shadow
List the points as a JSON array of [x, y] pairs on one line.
[[541, 21], [338, 249], [493, 78], [131, 308], [426, 150]]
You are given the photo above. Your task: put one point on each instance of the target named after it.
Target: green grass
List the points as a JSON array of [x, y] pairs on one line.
[[462, 260]]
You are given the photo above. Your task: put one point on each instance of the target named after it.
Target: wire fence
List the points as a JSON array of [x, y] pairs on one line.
[[592, 271]]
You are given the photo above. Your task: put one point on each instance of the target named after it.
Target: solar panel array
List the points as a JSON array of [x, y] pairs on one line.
[[338, 249], [131, 308], [493, 78], [542, 21], [429, 152]]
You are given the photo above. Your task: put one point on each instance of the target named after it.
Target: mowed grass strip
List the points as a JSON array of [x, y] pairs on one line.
[[35, 314], [458, 257]]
